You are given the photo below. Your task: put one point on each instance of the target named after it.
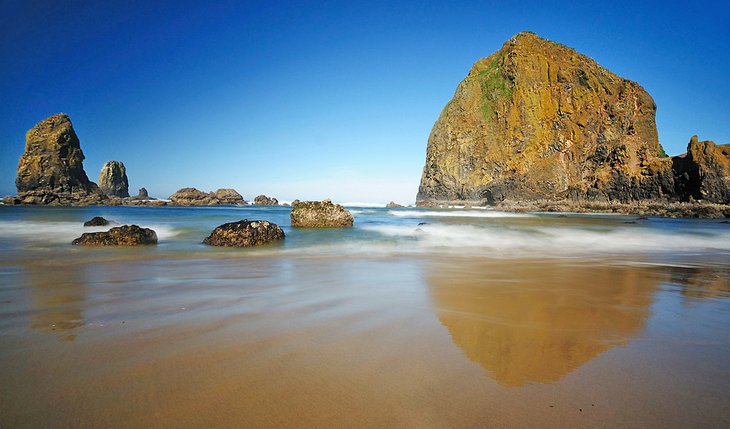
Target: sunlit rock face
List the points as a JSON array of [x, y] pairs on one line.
[[535, 323], [538, 120], [113, 179], [51, 170]]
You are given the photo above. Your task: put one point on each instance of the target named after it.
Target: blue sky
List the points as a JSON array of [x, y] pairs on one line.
[[317, 99]]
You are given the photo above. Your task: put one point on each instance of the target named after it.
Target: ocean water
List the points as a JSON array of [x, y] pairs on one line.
[[412, 318], [383, 232]]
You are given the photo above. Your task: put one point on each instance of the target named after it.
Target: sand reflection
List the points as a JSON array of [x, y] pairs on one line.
[[536, 322], [702, 282], [57, 298]]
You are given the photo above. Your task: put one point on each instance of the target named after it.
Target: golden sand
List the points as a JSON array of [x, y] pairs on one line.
[[400, 343]]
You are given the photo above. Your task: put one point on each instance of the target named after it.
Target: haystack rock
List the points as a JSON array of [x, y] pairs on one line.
[[51, 170], [538, 120], [320, 214], [113, 179]]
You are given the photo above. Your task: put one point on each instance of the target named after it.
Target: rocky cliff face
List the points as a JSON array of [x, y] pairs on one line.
[[51, 170], [538, 120], [113, 179], [703, 173]]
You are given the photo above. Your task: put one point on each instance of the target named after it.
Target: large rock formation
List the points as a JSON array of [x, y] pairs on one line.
[[51, 170], [536, 120], [113, 179], [319, 214], [125, 235], [245, 233]]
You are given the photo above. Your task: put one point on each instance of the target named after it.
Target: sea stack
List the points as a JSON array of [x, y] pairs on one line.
[[142, 194], [113, 179], [51, 170], [537, 120]]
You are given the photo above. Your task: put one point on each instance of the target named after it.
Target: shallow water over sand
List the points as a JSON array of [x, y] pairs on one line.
[[509, 321]]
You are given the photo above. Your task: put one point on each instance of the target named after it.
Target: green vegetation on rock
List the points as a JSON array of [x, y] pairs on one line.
[[495, 87]]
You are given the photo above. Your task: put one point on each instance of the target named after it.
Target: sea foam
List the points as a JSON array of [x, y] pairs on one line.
[[543, 241], [65, 232]]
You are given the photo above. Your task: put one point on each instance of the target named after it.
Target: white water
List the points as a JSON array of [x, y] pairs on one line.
[[455, 213], [65, 232], [545, 241], [383, 232]]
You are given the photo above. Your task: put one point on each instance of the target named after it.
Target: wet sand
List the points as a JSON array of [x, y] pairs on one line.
[[421, 342]]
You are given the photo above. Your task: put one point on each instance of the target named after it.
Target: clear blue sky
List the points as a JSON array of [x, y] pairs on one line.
[[325, 99]]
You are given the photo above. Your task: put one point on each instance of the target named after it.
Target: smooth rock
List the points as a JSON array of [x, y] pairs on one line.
[[244, 233]]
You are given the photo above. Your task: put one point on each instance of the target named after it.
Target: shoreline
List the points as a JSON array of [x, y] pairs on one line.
[[687, 210], [648, 208]]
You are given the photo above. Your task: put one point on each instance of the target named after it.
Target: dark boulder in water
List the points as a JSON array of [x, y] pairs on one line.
[[244, 233], [96, 221], [125, 235]]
